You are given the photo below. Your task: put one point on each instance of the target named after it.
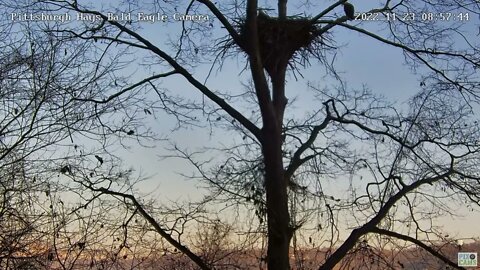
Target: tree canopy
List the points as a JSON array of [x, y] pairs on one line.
[[297, 157]]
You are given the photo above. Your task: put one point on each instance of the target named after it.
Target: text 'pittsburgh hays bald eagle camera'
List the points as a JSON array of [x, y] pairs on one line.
[[349, 10]]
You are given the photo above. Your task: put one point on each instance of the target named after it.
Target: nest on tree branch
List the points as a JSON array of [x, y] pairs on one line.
[[282, 42]]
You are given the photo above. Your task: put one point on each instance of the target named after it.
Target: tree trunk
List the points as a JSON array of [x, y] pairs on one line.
[[278, 218], [272, 106]]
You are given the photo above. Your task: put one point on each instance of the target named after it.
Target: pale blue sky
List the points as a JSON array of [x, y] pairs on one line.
[[362, 61]]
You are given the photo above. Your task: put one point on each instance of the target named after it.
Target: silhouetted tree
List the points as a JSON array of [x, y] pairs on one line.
[[403, 164], [44, 138]]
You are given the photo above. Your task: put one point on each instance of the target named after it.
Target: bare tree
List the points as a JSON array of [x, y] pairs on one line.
[[45, 136], [405, 164]]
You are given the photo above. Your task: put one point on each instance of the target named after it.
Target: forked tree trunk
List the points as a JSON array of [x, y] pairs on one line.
[[272, 105], [278, 217]]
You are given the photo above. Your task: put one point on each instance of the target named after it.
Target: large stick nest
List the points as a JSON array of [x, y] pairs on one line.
[[282, 42]]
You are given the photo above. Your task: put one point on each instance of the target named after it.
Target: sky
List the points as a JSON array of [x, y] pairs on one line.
[[361, 61]]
